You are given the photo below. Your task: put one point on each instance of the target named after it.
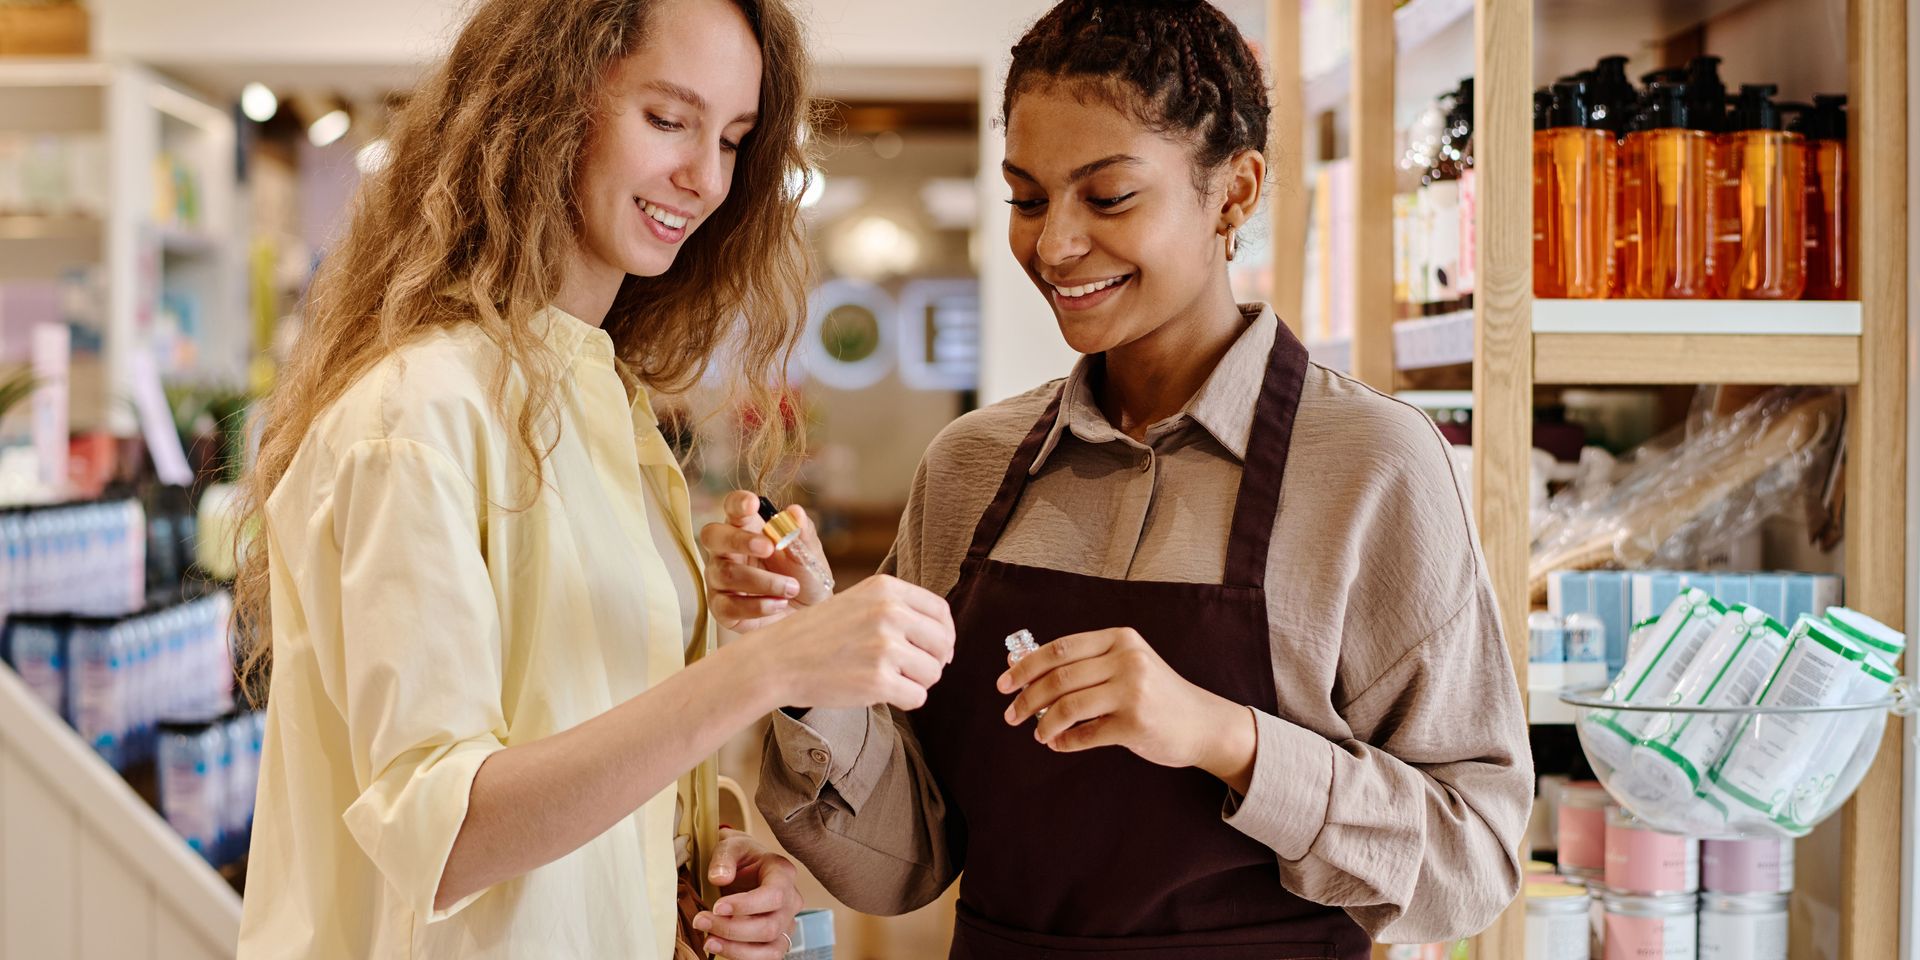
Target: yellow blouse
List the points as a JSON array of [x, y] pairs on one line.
[[432, 605]]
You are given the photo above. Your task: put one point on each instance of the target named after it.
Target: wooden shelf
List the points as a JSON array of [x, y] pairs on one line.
[[1627, 358]]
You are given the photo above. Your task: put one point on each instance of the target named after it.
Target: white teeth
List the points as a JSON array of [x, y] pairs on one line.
[[663, 216], [1086, 288]]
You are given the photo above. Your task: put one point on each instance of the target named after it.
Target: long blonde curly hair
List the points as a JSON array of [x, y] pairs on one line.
[[473, 216]]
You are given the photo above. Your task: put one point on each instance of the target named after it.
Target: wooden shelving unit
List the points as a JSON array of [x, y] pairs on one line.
[[1858, 345], [1517, 343]]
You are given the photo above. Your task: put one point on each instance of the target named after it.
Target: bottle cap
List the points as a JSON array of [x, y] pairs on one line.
[[1709, 94], [1542, 109], [780, 527], [1571, 105], [1826, 119], [1755, 110], [1612, 94]]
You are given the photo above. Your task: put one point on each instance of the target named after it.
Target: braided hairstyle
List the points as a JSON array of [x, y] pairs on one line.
[[1179, 67]]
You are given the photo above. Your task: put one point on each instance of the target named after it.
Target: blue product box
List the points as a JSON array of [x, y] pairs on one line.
[[1770, 594], [1611, 604]]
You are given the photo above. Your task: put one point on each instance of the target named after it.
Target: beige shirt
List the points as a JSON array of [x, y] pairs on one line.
[[423, 620], [1396, 780]]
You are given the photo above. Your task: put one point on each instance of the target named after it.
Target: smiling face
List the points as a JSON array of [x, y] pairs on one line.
[[1106, 220], [660, 158]]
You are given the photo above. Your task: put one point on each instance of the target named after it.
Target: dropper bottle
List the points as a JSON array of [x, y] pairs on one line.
[[785, 534]]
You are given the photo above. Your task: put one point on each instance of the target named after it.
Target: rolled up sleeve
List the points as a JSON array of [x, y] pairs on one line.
[[417, 675], [1413, 825]]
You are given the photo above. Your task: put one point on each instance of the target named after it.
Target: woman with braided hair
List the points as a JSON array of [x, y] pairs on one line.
[[1272, 715]]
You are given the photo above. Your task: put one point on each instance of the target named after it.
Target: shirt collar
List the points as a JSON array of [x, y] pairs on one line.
[[571, 337], [1223, 406]]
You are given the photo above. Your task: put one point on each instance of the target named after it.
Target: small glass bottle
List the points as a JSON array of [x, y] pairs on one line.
[[1671, 207], [785, 535], [1828, 212], [1769, 166], [1579, 199]]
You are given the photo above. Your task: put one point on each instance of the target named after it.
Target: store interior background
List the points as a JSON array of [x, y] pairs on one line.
[[923, 314]]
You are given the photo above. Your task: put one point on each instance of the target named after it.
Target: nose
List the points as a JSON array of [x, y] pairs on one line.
[[703, 172], [1061, 237]]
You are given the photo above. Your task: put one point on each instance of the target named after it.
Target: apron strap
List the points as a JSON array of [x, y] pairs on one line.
[[986, 533], [1265, 465]]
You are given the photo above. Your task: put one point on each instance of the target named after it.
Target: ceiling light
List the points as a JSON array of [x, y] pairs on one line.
[[258, 102], [329, 128]]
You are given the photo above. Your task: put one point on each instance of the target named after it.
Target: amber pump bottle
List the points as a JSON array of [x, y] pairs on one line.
[[1542, 166], [1672, 205], [1769, 169], [1574, 180], [1828, 211], [1611, 101]]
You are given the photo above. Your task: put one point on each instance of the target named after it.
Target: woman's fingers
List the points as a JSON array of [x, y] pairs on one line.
[[1077, 707], [729, 540], [728, 576], [1057, 683], [732, 950], [1051, 656]]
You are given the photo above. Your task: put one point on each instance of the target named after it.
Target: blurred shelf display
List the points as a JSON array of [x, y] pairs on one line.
[[141, 238]]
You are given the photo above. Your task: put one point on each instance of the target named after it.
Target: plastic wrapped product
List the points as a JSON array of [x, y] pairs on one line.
[[1770, 751], [1677, 749], [1877, 637], [1834, 764], [1650, 674]]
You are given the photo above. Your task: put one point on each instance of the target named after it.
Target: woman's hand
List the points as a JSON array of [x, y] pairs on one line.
[[1109, 688], [882, 641], [760, 902], [749, 584]]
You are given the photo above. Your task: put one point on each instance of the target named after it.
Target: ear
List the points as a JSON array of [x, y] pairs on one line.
[[1246, 174]]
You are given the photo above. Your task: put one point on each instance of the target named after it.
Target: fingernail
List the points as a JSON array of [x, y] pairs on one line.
[[703, 923], [793, 588], [1009, 715], [1005, 683], [724, 909]]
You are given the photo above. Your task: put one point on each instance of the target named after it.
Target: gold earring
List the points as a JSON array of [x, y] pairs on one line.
[[1233, 243]]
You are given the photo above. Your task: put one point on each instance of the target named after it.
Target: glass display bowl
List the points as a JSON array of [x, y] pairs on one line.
[[1730, 772]]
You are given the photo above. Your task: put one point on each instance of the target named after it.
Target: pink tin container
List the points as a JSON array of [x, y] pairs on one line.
[[1646, 862], [1746, 866], [1582, 830]]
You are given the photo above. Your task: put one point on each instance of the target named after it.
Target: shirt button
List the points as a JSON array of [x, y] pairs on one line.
[[818, 756]]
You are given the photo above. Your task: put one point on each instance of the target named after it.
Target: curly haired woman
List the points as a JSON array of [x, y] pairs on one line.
[[474, 578]]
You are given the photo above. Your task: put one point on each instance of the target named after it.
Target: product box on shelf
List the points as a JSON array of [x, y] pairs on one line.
[[1625, 600]]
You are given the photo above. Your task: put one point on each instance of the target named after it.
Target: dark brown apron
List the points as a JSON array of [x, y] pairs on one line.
[[1102, 853]]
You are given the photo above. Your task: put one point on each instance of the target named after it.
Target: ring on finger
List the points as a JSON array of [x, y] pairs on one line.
[[789, 939]]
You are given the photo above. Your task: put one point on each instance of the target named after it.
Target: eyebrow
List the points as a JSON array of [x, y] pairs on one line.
[[692, 99], [1080, 172]]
